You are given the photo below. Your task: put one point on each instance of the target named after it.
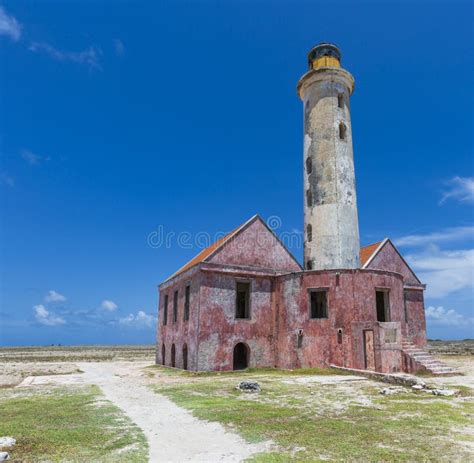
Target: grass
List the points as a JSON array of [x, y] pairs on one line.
[[338, 422], [68, 425], [249, 372]]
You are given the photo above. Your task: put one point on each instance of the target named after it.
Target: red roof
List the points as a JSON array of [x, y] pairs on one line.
[[367, 251], [205, 253]]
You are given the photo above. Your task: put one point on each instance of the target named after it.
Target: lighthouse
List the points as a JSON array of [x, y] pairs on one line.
[[330, 203]]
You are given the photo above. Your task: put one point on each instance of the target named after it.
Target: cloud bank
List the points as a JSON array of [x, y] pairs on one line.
[[9, 26], [45, 317]]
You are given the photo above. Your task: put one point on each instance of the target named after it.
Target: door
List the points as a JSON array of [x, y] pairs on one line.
[[369, 349]]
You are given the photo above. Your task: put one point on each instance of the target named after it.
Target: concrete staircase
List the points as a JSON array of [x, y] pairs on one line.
[[418, 359]]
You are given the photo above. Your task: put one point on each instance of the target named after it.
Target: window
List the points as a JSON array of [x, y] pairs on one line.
[[340, 100], [342, 131], [309, 232], [242, 304], [309, 265], [165, 311], [309, 166], [318, 303], [339, 336], [383, 305], [405, 309], [309, 198], [175, 307], [186, 302]]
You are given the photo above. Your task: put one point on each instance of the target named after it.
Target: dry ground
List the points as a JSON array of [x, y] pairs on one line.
[[130, 409]]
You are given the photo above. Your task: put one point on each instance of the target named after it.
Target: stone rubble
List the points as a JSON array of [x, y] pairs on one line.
[[4, 456], [7, 441], [391, 390], [248, 386], [444, 392]]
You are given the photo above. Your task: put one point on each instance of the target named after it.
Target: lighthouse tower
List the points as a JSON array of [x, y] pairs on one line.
[[330, 206]]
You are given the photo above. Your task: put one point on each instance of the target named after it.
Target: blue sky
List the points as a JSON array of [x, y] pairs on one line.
[[121, 119]]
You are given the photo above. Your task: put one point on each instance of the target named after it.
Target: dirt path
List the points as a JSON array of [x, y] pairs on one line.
[[173, 434]]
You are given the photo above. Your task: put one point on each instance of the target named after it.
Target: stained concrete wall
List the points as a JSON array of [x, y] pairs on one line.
[[256, 246], [182, 332], [332, 208], [351, 297], [220, 331], [416, 321], [388, 258]]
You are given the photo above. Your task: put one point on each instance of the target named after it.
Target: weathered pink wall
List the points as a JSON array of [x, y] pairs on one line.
[[220, 331], [182, 332], [415, 309], [258, 247], [389, 259], [351, 297]]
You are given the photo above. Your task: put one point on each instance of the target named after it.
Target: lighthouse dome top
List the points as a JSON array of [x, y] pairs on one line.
[[324, 55]]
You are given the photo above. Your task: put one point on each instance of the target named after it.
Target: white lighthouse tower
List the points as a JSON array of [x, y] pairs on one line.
[[330, 211]]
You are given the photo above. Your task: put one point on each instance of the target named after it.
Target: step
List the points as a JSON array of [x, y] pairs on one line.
[[441, 373]]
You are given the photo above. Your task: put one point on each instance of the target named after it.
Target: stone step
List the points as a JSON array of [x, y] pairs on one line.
[[441, 373], [426, 360]]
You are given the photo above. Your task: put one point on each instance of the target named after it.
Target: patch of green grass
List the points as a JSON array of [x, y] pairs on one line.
[[249, 372], [313, 422], [68, 425]]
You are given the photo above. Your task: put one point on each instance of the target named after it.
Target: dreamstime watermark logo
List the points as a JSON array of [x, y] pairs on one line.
[[259, 237]]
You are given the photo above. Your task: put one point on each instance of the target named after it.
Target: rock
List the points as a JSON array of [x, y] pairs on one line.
[[4, 456], [418, 387], [248, 386], [444, 392], [391, 390], [7, 441]]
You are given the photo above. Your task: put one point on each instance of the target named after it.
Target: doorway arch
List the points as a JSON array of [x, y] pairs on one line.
[[185, 357], [163, 355], [241, 356], [173, 355]]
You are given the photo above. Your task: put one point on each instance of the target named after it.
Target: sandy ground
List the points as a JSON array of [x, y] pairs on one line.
[[173, 434]]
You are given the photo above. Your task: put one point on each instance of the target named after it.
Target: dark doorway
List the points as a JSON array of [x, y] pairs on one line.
[[241, 356], [163, 355], [383, 306], [185, 357], [173, 356]]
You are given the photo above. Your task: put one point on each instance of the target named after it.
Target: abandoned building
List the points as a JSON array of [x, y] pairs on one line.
[[245, 301]]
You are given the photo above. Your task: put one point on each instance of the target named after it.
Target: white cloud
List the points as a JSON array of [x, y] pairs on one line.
[[109, 305], [45, 317], [119, 47], [441, 316], [460, 189], [443, 236], [444, 272], [138, 320], [9, 26], [54, 296], [89, 57], [6, 179], [31, 157]]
